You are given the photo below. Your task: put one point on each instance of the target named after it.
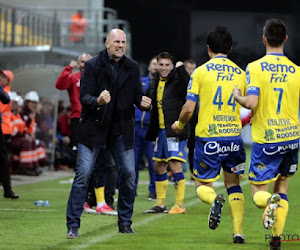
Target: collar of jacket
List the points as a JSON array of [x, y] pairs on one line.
[[103, 59]]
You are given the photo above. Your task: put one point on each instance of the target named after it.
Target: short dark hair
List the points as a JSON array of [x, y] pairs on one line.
[[192, 61], [219, 40], [165, 55], [275, 31]]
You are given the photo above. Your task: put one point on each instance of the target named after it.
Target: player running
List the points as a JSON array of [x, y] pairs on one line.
[[273, 89], [218, 140]]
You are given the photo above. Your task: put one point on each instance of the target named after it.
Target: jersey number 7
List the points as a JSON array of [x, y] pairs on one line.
[[280, 90]]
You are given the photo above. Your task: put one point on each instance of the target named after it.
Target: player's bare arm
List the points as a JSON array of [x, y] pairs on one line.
[[249, 101], [185, 115]]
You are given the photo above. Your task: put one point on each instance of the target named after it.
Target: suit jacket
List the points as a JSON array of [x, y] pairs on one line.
[[4, 98], [125, 90]]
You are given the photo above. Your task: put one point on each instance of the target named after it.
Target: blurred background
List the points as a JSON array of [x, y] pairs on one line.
[[37, 38]]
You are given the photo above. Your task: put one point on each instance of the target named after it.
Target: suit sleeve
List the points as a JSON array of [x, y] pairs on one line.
[[139, 91], [87, 87], [4, 97]]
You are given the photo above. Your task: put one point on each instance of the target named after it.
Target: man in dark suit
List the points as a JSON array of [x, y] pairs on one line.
[[110, 86], [6, 77]]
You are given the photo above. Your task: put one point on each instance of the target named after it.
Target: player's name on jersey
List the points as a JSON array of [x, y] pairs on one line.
[[279, 122], [224, 118]]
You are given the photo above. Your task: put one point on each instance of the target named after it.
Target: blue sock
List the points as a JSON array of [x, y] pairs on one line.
[[178, 176], [283, 196], [162, 177], [234, 189]]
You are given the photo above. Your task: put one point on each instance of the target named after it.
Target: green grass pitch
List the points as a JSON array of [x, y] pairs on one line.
[[25, 226]]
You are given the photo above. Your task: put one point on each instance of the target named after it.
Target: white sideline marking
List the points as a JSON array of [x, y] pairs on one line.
[[138, 224], [187, 183], [27, 210], [69, 181], [115, 233]]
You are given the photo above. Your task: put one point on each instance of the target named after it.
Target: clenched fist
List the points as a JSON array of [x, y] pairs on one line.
[[104, 97], [146, 102], [175, 128], [73, 64]]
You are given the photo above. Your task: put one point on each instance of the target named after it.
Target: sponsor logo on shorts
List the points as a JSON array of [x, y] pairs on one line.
[[261, 166], [202, 165], [238, 168], [252, 175], [213, 147], [293, 168], [274, 150]]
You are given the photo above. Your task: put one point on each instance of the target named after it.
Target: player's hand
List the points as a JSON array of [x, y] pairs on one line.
[[175, 128], [66, 140], [146, 102], [73, 64], [178, 64], [236, 91], [104, 97]]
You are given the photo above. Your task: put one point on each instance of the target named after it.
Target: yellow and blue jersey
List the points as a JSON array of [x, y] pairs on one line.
[[213, 83], [159, 98], [276, 81]]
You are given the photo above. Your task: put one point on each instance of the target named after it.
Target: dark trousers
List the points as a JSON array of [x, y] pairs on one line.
[[74, 131], [191, 140], [124, 160], [4, 171], [105, 174], [87, 157], [191, 147], [141, 146]]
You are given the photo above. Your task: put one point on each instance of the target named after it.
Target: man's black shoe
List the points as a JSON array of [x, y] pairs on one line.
[[275, 243], [125, 230], [72, 233], [156, 209], [151, 197], [238, 239], [11, 195]]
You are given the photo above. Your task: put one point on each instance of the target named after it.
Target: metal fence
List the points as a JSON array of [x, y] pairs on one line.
[[19, 27], [32, 26]]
